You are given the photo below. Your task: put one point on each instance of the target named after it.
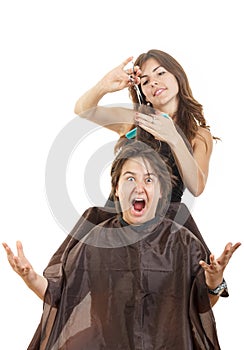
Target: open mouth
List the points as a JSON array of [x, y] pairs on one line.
[[138, 204]]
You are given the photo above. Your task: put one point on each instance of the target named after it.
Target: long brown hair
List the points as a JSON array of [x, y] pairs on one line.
[[189, 115]]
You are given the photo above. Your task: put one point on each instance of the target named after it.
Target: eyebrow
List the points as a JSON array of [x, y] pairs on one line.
[[154, 70], [132, 173]]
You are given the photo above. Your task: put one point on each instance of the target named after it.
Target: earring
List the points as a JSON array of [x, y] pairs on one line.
[[148, 103]]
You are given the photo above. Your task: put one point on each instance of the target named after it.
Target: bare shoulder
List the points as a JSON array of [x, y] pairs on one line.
[[203, 138], [204, 132]]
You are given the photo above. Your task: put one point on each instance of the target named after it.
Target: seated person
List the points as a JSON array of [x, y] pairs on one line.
[[130, 282]]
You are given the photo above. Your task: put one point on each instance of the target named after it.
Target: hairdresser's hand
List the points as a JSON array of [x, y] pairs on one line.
[[19, 263], [214, 271], [120, 77], [160, 125]]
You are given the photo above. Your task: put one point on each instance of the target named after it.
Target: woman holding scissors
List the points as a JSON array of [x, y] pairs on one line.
[[165, 114]]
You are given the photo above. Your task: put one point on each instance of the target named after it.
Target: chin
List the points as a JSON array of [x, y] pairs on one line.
[[138, 221]]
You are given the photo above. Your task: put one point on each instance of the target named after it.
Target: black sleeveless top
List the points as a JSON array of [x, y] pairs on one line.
[[177, 186]]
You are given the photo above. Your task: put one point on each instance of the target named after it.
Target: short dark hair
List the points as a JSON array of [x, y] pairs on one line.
[[139, 149]]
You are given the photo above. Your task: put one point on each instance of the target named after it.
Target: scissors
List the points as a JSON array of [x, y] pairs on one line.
[[135, 86], [132, 133]]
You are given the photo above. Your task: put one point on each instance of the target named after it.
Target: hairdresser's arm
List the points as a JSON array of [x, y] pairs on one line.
[[193, 167], [19, 263], [111, 118]]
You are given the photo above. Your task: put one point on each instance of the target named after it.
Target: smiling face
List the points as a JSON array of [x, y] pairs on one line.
[[159, 86], [138, 190]]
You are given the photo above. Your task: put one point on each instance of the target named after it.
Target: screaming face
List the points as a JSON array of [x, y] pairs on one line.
[[138, 191]]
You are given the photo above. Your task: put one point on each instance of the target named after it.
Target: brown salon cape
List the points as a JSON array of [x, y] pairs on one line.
[[114, 286]]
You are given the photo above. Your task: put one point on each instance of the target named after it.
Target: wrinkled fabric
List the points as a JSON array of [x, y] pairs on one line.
[[114, 286]]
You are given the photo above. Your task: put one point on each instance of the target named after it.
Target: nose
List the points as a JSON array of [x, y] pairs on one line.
[[153, 82], [139, 188]]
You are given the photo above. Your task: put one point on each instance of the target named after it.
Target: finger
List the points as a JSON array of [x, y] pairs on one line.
[[231, 246], [143, 122], [213, 262], [8, 250], [225, 256], [10, 255], [5, 246], [204, 265], [229, 250], [125, 62], [211, 259], [140, 117], [236, 246], [20, 250], [228, 247], [137, 70]]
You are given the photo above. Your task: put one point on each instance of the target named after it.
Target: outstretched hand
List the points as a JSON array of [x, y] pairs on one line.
[[19, 263], [215, 269]]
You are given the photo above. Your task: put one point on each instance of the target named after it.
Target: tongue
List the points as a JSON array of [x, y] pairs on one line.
[[139, 205]]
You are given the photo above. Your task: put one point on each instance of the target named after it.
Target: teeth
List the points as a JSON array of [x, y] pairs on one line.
[[137, 200]]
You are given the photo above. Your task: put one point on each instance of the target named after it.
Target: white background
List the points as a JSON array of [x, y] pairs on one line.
[[52, 52]]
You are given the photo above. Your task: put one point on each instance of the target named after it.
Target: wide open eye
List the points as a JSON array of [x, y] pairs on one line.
[[148, 180], [131, 178]]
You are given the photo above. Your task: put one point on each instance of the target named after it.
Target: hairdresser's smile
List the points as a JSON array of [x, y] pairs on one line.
[[159, 86], [159, 91]]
